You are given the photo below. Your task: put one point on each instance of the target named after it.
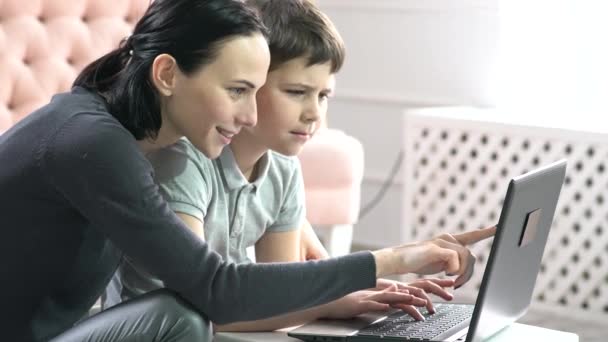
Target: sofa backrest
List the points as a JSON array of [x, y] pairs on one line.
[[45, 43]]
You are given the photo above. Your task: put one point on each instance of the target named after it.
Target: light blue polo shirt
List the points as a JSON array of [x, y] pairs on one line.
[[235, 212]]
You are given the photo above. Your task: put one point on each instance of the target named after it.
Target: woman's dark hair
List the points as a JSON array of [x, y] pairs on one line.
[[192, 31]]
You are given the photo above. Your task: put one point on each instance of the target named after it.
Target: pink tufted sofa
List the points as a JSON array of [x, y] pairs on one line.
[[332, 166], [45, 43]]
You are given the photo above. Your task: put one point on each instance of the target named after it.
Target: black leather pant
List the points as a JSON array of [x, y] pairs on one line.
[[156, 316]]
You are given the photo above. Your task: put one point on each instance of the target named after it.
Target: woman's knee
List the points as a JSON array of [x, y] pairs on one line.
[[187, 319]]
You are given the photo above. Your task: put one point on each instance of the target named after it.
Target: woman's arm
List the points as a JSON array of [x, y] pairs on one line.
[[348, 306], [110, 185], [284, 247], [97, 167], [280, 246]]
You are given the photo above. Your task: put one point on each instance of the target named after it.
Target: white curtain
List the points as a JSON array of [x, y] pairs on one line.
[[554, 57]]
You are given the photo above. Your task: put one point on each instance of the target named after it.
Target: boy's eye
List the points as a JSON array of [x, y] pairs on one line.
[[324, 96], [295, 92]]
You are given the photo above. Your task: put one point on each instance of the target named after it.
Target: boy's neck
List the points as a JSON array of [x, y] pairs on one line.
[[247, 154]]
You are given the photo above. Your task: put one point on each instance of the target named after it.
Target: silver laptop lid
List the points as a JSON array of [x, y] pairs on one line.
[[508, 281]]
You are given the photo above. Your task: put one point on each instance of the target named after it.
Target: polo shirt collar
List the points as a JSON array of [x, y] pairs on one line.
[[232, 174]]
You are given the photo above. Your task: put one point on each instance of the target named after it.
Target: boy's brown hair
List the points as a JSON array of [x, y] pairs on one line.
[[297, 29]]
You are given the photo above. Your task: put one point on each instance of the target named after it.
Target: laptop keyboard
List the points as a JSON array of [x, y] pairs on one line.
[[400, 324]]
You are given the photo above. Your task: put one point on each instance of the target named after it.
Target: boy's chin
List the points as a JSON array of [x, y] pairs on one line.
[[290, 151]]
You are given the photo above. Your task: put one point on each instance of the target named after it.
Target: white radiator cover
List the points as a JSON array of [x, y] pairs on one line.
[[456, 171]]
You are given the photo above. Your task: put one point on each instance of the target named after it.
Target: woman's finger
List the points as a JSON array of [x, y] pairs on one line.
[[448, 237], [467, 274], [464, 255], [447, 253], [475, 236]]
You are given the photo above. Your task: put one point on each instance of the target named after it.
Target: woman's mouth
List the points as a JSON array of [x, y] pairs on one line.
[[226, 135]]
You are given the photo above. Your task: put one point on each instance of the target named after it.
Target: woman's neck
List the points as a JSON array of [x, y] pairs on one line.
[[167, 135], [164, 138]]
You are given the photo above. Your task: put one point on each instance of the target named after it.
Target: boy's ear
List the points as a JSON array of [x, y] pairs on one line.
[[164, 73]]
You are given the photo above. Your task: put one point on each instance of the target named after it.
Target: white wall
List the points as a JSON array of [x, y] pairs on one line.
[[405, 53]]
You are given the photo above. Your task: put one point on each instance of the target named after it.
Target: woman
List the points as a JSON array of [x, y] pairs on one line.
[[77, 192]]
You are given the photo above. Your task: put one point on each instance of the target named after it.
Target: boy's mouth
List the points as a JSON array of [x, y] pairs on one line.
[[303, 135]]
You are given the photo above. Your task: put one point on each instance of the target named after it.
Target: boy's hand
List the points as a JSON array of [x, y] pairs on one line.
[[421, 288], [364, 301], [310, 246]]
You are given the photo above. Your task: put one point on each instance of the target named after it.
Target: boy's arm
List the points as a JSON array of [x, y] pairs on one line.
[[277, 246], [277, 322], [289, 238], [311, 247], [281, 246], [195, 225]]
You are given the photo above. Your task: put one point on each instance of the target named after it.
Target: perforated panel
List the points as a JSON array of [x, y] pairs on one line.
[[456, 175]]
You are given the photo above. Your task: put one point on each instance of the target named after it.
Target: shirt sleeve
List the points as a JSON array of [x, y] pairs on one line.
[[183, 178], [293, 206], [95, 164]]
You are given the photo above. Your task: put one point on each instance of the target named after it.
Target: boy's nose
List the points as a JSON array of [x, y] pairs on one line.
[[312, 113]]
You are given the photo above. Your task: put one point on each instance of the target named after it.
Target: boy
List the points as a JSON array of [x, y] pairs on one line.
[[253, 194]]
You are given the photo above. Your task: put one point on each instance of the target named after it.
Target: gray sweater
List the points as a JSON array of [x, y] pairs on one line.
[[76, 193]]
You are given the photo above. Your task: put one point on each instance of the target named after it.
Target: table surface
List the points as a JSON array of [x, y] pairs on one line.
[[516, 332]]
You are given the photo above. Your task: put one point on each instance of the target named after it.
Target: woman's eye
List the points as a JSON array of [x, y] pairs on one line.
[[237, 91]]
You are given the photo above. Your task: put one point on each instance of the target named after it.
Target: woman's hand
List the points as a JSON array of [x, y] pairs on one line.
[[444, 253]]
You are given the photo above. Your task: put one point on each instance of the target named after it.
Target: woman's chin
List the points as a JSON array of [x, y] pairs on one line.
[[214, 152], [210, 152]]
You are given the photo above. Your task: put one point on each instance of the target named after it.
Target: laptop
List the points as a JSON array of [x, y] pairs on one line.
[[506, 289]]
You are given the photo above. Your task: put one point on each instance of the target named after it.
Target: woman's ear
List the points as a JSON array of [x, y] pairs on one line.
[[164, 73]]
